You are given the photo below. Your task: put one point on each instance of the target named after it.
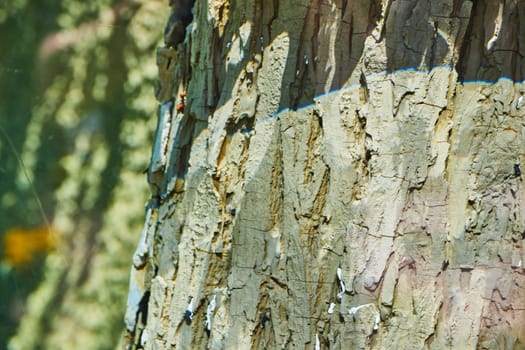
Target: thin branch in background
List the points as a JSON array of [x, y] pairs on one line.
[[24, 169]]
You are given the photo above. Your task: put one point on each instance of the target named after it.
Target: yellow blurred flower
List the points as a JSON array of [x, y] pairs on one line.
[[22, 245]]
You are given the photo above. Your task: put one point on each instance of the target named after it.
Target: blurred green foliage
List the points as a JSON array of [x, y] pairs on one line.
[[22, 27], [77, 113]]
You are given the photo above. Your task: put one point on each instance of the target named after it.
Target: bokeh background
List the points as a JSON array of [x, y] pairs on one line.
[[77, 118]]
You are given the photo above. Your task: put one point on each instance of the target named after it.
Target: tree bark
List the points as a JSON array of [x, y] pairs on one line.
[[339, 175]]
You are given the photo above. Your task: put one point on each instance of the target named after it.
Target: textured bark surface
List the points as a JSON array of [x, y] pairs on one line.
[[337, 174]]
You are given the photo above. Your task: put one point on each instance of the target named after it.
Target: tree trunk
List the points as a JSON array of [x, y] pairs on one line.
[[337, 175]]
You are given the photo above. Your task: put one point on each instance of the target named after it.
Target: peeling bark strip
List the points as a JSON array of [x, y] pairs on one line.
[[348, 177]]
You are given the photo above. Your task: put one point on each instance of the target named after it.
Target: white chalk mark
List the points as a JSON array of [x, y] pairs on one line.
[[188, 314], [520, 102], [331, 308], [341, 283], [144, 338], [209, 313], [497, 28], [377, 320], [353, 311]]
